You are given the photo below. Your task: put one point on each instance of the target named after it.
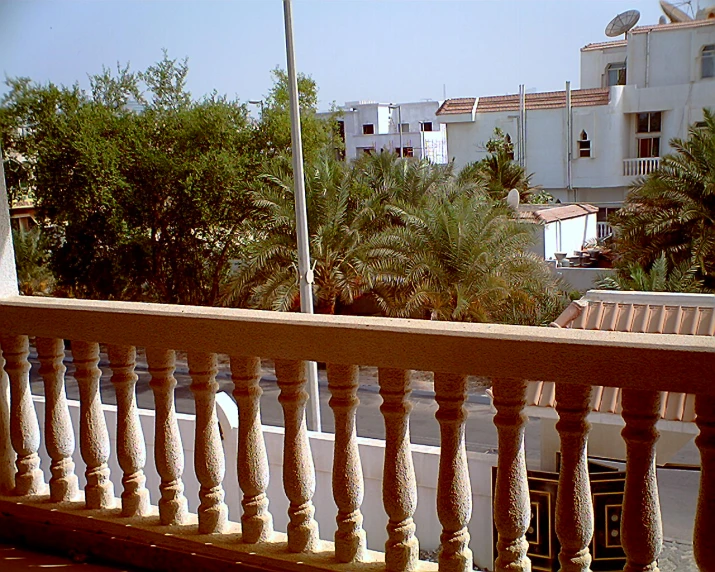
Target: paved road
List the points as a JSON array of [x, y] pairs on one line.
[[678, 489]]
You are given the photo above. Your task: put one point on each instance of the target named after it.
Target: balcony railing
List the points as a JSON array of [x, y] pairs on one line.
[[134, 531], [603, 229], [640, 167]]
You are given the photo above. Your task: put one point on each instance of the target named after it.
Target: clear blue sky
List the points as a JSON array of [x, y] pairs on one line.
[[384, 50]]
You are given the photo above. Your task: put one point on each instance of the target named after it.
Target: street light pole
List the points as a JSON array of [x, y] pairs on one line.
[[301, 216], [399, 125]]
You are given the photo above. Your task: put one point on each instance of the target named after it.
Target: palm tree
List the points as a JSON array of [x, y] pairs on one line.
[[462, 257], [498, 171], [671, 212], [660, 278], [267, 278]]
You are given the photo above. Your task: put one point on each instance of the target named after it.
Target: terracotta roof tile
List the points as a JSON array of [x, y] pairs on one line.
[[672, 26], [603, 45], [656, 313], [551, 213], [457, 105], [544, 100]]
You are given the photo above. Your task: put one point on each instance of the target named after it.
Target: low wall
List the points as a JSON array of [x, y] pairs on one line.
[[583, 279], [425, 459]]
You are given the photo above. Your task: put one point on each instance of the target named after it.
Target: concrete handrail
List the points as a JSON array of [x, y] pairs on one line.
[[614, 359]]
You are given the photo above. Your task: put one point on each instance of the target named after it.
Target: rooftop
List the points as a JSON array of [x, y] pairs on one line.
[[643, 312], [542, 100], [551, 213]]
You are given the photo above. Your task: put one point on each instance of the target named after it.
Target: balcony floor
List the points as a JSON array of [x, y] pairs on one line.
[[15, 559]]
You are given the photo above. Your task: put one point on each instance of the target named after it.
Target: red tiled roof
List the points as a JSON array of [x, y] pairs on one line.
[[603, 45], [544, 100], [551, 213], [645, 312], [672, 26], [457, 105]]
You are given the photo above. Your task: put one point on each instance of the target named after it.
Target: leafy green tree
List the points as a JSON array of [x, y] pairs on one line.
[[659, 278], [462, 257], [144, 194], [272, 137], [671, 212]]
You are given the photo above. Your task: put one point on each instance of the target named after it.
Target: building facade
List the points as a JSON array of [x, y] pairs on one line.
[[407, 129], [589, 144]]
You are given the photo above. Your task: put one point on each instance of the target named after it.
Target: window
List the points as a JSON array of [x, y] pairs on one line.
[[648, 134], [707, 61], [405, 127], [366, 150], [408, 152], [426, 126], [616, 74], [368, 129], [648, 122], [584, 145]]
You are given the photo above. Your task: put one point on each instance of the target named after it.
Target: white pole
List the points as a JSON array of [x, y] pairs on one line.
[[301, 216], [8, 274]]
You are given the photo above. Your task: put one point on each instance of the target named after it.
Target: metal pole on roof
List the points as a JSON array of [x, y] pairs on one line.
[[301, 216]]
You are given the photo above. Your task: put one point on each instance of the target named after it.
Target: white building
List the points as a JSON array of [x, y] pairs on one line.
[[636, 95], [413, 128]]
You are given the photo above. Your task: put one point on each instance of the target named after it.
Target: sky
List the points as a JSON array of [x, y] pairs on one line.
[[379, 50]]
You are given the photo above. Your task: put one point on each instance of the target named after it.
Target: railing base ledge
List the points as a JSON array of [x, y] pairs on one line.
[[104, 535]]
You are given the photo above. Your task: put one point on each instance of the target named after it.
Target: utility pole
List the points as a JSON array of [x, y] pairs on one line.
[[301, 217]]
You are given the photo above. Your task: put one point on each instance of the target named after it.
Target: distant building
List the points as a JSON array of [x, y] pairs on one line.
[[636, 95], [407, 129]]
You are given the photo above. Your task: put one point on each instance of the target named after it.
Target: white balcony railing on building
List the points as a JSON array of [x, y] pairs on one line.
[[640, 167], [642, 364], [603, 229]]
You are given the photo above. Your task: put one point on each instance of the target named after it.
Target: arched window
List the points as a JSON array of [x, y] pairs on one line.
[[707, 61], [584, 144]]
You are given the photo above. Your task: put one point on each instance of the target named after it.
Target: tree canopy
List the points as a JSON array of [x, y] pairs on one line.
[[144, 188]]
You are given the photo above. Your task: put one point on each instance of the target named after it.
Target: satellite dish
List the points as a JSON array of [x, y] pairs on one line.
[[512, 199], [706, 14], [675, 14], [622, 23]]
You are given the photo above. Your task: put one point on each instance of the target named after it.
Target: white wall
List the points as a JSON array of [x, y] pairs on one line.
[[425, 459], [568, 235], [594, 63], [385, 119]]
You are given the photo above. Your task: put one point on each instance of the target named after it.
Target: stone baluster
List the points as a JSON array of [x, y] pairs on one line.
[[59, 435], [131, 450], [641, 528], [512, 508], [7, 454], [347, 470], [298, 470], [399, 488], [168, 452], [256, 521], [209, 462], [574, 507], [454, 491], [93, 435], [24, 428], [703, 545]]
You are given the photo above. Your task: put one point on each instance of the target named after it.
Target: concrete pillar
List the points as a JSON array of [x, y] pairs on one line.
[[8, 273]]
